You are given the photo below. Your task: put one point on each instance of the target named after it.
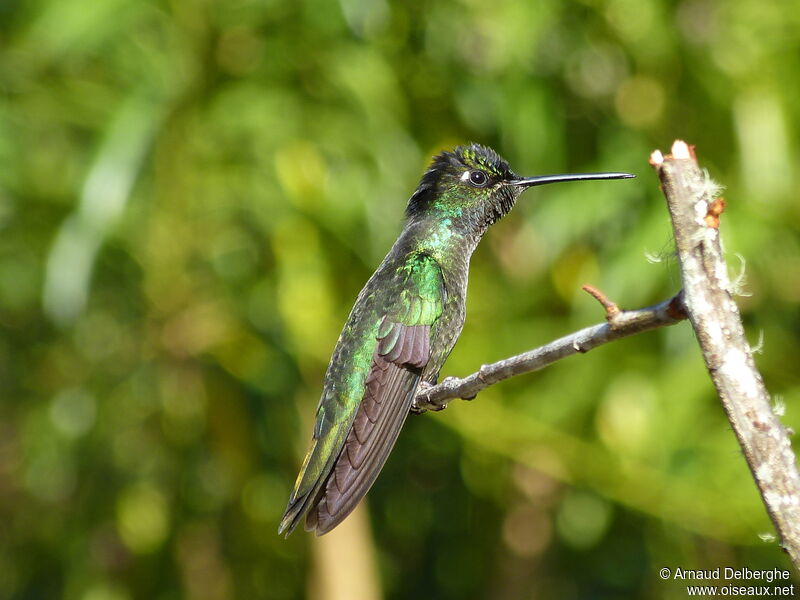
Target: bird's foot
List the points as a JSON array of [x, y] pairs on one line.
[[422, 403]]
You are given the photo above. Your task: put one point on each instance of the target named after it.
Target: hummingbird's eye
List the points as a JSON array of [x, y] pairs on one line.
[[478, 178]]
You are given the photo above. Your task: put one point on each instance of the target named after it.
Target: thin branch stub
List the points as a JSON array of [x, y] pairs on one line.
[[611, 308]]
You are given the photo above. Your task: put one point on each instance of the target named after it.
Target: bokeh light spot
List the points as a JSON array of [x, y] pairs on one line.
[[73, 412], [142, 518], [527, 530], [583, 518], [640, 101]]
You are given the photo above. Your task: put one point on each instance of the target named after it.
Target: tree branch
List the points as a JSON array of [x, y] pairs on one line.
[[695, 208], [619, 324]]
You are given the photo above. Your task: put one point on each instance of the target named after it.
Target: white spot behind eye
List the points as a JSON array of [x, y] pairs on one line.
[[465, 176]]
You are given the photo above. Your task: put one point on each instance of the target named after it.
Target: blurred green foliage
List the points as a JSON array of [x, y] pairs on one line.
[[191, 196]]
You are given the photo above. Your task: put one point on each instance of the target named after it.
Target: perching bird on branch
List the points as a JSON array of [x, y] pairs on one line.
[[403, 326]]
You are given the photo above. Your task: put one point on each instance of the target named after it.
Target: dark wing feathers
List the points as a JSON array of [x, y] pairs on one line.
[[348, 453], [406, 345], [389, 391]]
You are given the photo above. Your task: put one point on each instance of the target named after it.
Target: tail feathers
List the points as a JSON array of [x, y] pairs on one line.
[[306, 492], [294, 513]]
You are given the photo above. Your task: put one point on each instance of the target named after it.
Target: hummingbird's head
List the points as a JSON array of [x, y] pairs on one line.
[[474, 184], [469, 181]]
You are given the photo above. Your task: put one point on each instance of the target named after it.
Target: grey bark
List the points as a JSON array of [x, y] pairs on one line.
[[695, 210]]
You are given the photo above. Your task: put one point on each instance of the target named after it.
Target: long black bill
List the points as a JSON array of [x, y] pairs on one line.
[[543, 179]]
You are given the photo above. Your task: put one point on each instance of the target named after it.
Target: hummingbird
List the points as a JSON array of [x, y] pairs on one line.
[[402, 328]]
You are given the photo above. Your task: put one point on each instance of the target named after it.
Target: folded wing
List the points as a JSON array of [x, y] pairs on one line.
[[344, 462], [389, 391]]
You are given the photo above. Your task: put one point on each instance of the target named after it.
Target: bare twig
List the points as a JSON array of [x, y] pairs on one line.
[[695, 210], [612, 310], [620, 324]]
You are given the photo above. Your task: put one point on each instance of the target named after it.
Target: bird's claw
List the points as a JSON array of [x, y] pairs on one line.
[[416, 409], [421, 403]]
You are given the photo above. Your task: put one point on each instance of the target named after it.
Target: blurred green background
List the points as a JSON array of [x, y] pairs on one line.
[[193, 193]]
